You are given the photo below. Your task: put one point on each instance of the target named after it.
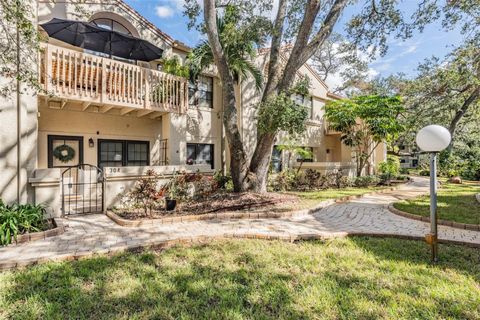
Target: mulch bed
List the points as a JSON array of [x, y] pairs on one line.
[[218, 202]]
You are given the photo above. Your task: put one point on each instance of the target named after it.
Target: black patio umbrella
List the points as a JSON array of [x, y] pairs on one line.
[[89, 36]]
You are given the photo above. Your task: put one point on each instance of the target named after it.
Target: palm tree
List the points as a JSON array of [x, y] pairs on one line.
[[239, 45]]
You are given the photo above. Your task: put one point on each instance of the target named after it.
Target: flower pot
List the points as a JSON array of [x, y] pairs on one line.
[[170, 204]]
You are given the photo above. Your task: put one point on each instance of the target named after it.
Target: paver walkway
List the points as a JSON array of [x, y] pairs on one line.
[[367, 215]]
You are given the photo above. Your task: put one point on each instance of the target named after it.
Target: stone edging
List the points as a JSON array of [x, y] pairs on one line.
[[157, 245], [457, 225], [477, 196], [58, 230], [236, 215]]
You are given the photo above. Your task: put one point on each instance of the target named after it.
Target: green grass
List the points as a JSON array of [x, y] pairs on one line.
[[313, 197], [456, 202], [357, 278]]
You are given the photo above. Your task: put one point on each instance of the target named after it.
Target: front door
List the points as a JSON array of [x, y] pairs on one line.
[[64, 151]]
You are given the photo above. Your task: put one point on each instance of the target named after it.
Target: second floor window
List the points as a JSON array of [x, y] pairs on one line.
[[200, 93], [110, 24], [304, 101]]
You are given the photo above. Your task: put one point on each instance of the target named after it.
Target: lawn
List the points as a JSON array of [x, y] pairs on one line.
[[311, 198], [357, 278], [456, 202]]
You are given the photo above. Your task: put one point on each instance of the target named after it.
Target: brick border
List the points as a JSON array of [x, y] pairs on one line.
[[28, 237], [457, 225], [238, 215], [160, 245]]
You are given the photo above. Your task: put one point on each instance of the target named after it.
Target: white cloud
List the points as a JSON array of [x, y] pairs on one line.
[[164, 11]]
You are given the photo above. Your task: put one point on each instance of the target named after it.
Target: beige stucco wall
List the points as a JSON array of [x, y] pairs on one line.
[[11, 176], [204, 125], [97, 126]]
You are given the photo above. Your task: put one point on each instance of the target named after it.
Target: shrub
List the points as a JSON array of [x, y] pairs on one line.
[[20, 218], [402, 177], [366, 181], [389, 168], [222, 180], [284, 181], [145, 193], [404, 171], [424, 173]]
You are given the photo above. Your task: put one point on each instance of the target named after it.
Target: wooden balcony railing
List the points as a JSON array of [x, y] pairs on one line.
[[73, 75]]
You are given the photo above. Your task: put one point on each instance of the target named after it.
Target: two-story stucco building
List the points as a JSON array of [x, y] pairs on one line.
[[112, 115]]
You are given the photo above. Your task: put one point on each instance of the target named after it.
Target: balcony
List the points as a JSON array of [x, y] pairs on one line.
[[69, 75]]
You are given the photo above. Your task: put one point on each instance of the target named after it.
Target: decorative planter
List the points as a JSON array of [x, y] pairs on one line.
[[170, 204]]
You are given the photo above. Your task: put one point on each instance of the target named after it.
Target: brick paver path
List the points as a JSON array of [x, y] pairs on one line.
[[367, 215]]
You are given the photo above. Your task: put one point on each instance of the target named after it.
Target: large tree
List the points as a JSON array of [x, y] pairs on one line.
[[305, 25]]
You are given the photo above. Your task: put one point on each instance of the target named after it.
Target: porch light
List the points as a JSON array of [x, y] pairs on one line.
[[91, 144], [433, 139]]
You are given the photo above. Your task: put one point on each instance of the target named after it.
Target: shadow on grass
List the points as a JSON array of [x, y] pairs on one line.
[[463, 259], [245, 279], [463, 208], [148, 289]]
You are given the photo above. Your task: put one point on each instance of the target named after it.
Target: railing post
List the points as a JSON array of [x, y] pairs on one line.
[[103, 93], [47, 67], [146, 78]]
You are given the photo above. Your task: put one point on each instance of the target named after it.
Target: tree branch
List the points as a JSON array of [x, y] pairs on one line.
[[273, 65]]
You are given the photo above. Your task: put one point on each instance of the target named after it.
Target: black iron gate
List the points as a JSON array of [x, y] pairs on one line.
[[82, 190]]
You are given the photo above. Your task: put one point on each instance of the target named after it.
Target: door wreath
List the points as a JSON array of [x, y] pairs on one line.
[[64, 153]]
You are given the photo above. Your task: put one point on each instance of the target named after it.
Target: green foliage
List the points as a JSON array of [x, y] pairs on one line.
[[19, 219], [365, 122], [281, 113], [424, 173], [366, 181], [389, 168], [175, 67], [145, 193], [239, 43]]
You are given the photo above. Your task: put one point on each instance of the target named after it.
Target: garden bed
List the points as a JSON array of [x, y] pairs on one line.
[[51, 228], [217, 203]]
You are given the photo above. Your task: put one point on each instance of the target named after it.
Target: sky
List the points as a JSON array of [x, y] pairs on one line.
[[402, 56]]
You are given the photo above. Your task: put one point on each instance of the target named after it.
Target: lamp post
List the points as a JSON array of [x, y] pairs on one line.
[[433, 139]]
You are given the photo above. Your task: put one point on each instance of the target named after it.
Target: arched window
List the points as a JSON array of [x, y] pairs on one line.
[[111, 24]]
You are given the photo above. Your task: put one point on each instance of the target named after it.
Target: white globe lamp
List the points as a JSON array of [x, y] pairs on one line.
[[433, 139]]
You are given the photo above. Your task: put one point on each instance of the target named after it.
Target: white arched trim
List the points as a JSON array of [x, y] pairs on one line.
[[118, 18]]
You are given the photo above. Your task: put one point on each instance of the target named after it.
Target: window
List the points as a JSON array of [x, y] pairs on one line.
[[308, 158], [110, 24], [304, 101], [198, 153], [200, 93], [121, 153]]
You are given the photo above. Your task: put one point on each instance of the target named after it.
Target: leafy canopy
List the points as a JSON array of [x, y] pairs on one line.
[[239, 42], [281, 113], [375, 116]]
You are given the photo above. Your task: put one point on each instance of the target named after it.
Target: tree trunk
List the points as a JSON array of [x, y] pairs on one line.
[[238, 158], [260, 162]]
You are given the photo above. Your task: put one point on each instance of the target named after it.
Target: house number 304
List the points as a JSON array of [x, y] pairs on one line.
[[114, 170]]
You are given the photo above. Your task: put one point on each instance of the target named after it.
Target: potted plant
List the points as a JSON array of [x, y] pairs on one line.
[[174, 191]]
